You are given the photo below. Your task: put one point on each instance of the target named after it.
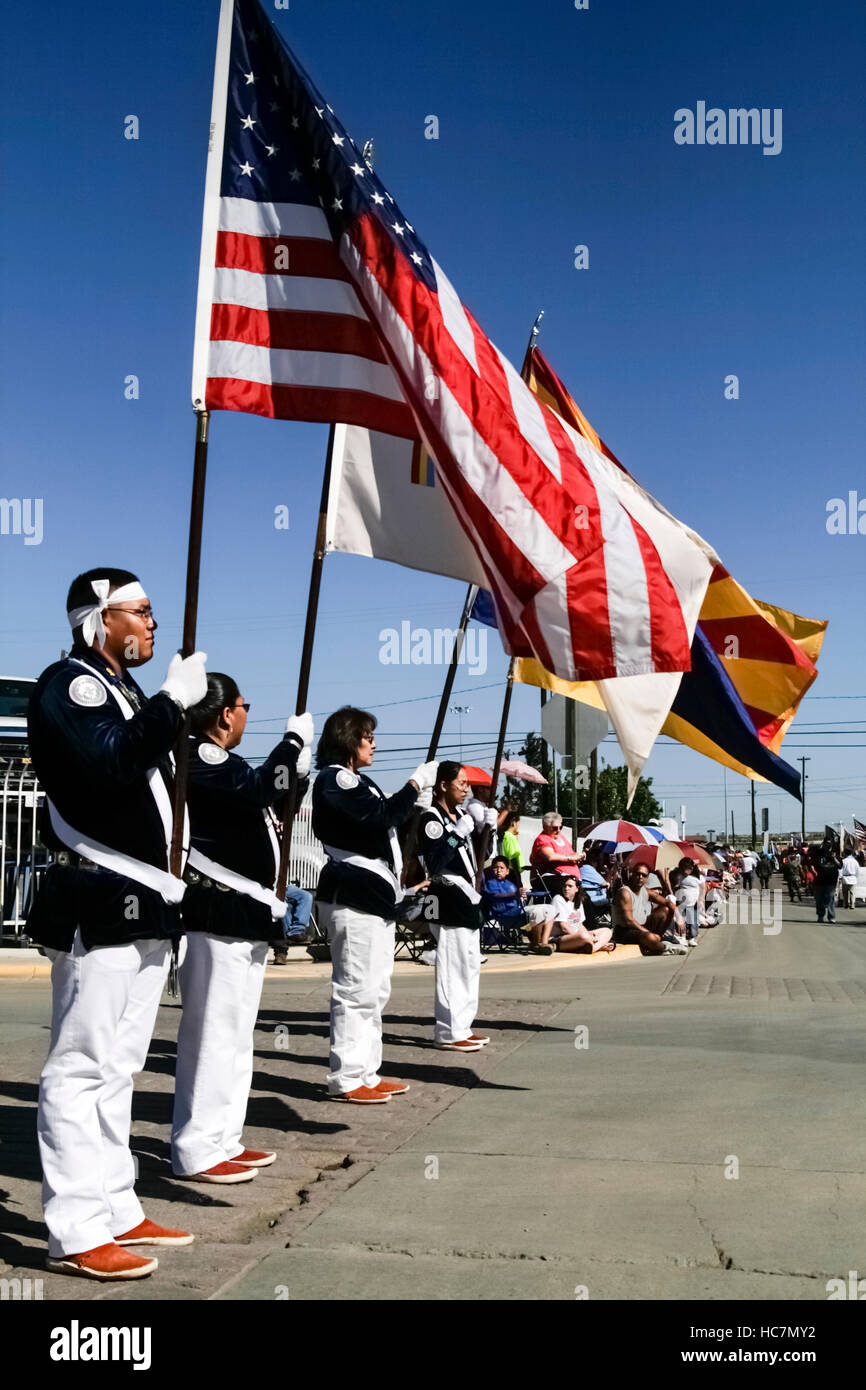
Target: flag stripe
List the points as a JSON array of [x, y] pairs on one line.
[[305, 403], [281, 292], [272, 219], [279, 255], [287, 329]]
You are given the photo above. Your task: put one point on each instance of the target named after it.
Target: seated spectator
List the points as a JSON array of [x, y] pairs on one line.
[[564, 926], [499, 893], [636, 921], [552, 857], [592, 880]]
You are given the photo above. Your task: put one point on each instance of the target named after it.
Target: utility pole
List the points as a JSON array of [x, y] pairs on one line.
[[804, 777], [754, 823], [732, 827], [593, 785]]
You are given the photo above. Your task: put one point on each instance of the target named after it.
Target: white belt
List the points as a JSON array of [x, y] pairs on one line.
[[373, 866], [230, 879], [170, 889]]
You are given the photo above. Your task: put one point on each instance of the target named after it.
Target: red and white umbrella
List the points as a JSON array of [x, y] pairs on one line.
[[609, 834], [521, 772]]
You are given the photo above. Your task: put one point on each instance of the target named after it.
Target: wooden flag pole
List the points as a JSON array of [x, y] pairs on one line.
[[290, 805], [190, 618]]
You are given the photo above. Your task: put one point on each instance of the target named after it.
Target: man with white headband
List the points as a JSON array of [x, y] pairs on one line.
[[107, 913]]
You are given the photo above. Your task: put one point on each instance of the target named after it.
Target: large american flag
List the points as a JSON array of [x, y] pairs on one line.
[[318, 300]]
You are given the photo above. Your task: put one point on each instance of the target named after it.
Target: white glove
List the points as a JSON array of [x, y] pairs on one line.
[[424, 776], [305, 757], [186, 681], [491, 817], [464, 825], [425, 799], [476, 810], [301, 725]]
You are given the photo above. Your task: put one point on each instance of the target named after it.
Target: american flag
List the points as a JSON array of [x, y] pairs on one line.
[[318, 300], [860, 833]]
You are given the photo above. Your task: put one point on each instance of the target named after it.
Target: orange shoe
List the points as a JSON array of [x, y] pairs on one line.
[[255, 1158], [362, 1095], [104, 1262], [148, 1233], [479, 1038], [465, 1045], [392, 1088], [221, 1172]]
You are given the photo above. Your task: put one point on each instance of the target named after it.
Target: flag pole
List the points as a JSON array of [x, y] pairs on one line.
[[471, 595], [290, 804], [487, 836], [190, 618]]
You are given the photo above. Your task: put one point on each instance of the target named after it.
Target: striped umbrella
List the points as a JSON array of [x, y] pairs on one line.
[[609, 834]]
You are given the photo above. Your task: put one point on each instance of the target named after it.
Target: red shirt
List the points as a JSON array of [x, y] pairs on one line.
[[560, 845]]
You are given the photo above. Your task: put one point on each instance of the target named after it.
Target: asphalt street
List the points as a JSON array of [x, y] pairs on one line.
[[648, 1129]]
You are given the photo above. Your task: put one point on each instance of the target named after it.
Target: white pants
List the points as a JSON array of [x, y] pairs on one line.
[[362, 957], [104, 1007], [458, 972], [221, 983]]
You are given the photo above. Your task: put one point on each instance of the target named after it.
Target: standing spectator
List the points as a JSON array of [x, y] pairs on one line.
[[827, 868], [750, 861], [552, 857], [792, 873], [764, 869], [687, 893], [850, 872], [510, 847]]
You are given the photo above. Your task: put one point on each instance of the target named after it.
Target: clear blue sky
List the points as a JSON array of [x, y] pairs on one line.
[[556, 128]]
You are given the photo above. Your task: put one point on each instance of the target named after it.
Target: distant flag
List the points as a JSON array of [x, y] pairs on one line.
[[860, 833], [752, 662], [483, 610], [319, 301]]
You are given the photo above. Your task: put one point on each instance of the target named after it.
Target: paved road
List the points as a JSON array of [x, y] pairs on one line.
[[659, 1129]]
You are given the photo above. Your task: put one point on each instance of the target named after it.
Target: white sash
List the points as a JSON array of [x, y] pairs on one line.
[[373, 866], [467, 854], [230, 879], [170, 888]]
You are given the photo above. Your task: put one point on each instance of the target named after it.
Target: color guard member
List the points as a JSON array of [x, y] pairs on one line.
[[107, 913], [359, 889], [230, 914], [454, 912]]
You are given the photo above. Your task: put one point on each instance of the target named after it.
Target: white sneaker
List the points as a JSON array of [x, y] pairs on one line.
[[428, 957], [672, 950]]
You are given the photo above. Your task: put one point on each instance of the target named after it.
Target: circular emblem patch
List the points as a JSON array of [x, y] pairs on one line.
[[211, 754], [87, 691], [434, 830], [346, 780]]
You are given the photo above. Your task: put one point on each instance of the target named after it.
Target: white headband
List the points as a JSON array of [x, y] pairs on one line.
[[89, 616]]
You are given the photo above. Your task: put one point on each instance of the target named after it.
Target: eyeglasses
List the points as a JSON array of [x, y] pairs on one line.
[[242, 705], [146, 614]]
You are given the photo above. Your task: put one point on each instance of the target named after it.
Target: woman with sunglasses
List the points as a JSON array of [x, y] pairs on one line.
[[230, 914], [358, 893]]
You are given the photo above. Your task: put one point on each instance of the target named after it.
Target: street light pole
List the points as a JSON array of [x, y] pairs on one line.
[[803, 779]]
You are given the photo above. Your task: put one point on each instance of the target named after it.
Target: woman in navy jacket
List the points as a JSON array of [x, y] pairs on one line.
[[230, 914]]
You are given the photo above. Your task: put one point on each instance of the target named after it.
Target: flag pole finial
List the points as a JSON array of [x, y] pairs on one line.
[[535, 327], [368, 153]]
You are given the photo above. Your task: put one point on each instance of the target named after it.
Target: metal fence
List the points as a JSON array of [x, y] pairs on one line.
[[23, 859]]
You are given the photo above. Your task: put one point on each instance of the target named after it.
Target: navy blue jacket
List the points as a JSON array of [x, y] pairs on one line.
[[351, 813], [93, 764], [439, 846], [227, 802]]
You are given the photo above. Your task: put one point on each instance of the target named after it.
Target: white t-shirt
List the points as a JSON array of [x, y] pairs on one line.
[[688, 891], [571, 913], [850, 869], [749, 862]]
